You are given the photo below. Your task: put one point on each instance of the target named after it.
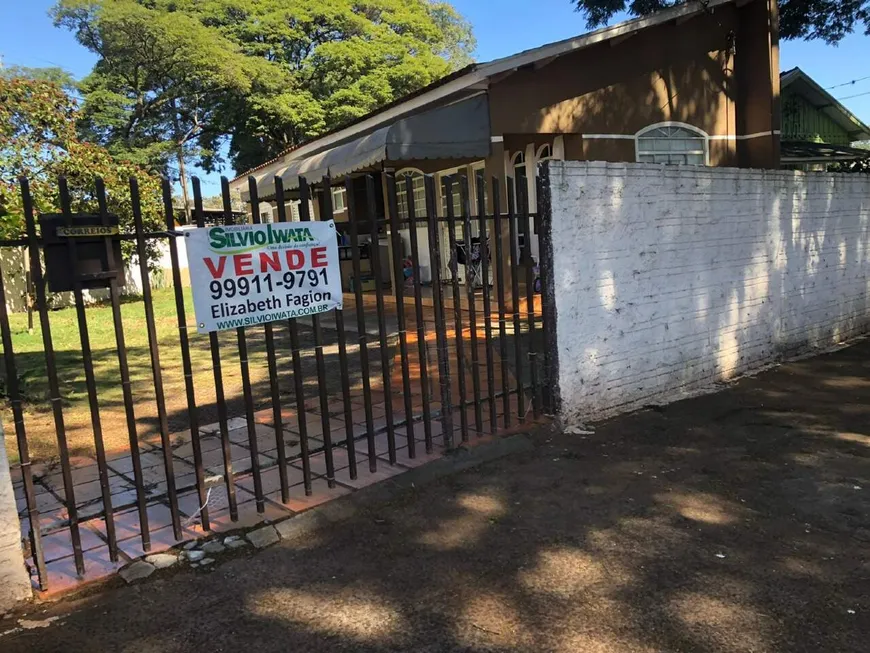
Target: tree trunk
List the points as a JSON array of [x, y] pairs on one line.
[[182, 178], [182, 172]]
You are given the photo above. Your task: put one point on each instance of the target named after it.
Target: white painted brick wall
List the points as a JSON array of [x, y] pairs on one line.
[[668, 279], [14, 580]]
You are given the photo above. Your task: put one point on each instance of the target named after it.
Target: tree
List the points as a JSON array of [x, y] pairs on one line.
[[258, 76], [56, 75], [152, 96], [829, 20], [342, 59], [38, 140]]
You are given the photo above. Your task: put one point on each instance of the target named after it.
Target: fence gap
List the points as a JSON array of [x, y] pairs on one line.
[[398, 291], [90, 378], [482, 233], [422, 349], [298, 379], [353, 216], [124, 369]]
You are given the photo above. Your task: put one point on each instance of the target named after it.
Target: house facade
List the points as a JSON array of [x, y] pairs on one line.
[[697, 84], [816, 128]]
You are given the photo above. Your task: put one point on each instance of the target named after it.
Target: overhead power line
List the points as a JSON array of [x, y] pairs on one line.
[[854, 81], [849, 97]]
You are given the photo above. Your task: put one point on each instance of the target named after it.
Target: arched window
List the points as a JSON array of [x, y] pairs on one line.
[[545, 152], [518, 164], [419, 190], [518, 168], [672, 144]]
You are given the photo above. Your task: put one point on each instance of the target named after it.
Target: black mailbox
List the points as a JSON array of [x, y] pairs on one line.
[[92, 264]]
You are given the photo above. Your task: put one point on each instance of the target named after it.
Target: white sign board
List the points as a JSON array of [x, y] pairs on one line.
[[255, 273]]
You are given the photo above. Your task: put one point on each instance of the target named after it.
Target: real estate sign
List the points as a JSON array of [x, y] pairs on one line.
[[255, 273]]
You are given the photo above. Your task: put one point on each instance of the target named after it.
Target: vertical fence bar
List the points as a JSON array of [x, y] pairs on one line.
[[542, 224], [277, 418], [345, 384], [90, 378], [247, 392], [399, 291], [500, 290], [51, 372], [14, 394], [305, 216], [464, 201], [527, 263], [515, 302], [457, 304], [382, 320], [214, 347], [345, 393], [440, 324], [299, 388], [187, 367], [487, 305], [153, 346], [422, 350], [28, 285], [353, 216], [123, 367]]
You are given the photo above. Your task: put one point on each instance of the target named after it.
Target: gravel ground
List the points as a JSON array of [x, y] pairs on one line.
[[738, 521]]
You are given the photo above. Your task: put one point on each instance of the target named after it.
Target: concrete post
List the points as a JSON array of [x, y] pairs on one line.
[[14, 580]]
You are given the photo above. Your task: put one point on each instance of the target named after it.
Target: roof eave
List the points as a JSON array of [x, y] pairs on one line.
[[856, 130], [481, 73]]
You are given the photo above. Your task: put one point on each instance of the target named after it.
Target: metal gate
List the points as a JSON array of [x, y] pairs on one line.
[[422, 367]]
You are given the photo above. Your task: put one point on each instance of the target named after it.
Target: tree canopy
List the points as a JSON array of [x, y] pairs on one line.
[[178, 79], [38, 140], [829, 20]]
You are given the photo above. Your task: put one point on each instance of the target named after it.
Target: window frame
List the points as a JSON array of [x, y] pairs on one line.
[[341, 192], [549, 157], [415, 174], [671, 123]]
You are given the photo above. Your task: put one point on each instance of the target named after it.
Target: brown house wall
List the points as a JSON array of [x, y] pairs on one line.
[[686, 72]]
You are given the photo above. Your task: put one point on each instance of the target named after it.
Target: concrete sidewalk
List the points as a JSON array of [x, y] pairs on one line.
[[738, 521]]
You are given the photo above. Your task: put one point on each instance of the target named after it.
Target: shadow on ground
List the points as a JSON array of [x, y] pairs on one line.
[[738, 521]]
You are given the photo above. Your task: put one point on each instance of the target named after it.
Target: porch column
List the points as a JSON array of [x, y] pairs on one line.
[[495, 167], [14, 580], [388, 229]]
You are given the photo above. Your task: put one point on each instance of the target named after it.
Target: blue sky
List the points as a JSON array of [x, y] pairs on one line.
[[28, 38]]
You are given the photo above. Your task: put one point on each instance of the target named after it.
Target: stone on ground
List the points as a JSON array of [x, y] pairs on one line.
[[195, 556], [214, 546], [162, 560], [136, 571], [236, 544], [263, 537]]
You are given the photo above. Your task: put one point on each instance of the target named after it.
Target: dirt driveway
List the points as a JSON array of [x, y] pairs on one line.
[[738, 521]]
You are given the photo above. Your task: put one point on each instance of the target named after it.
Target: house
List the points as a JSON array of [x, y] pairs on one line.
[[816, 128], [696, 84]]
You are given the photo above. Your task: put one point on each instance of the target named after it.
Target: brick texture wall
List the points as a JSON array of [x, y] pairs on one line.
[[668, 279]]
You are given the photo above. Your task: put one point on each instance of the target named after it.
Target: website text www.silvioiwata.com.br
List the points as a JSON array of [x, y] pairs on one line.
[[272, 317]]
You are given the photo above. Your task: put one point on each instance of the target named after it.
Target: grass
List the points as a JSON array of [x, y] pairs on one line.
[[31, 367]]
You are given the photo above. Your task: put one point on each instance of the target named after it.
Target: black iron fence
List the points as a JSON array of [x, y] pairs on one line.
[[489, 331]]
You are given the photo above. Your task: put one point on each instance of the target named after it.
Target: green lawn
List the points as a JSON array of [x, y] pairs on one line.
[[30, 361]]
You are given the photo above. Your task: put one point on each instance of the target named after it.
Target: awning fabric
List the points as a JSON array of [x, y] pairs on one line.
[[456, 131]]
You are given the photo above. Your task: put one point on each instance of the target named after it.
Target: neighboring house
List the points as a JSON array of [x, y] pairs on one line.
[[696, 84], [816, 128]]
